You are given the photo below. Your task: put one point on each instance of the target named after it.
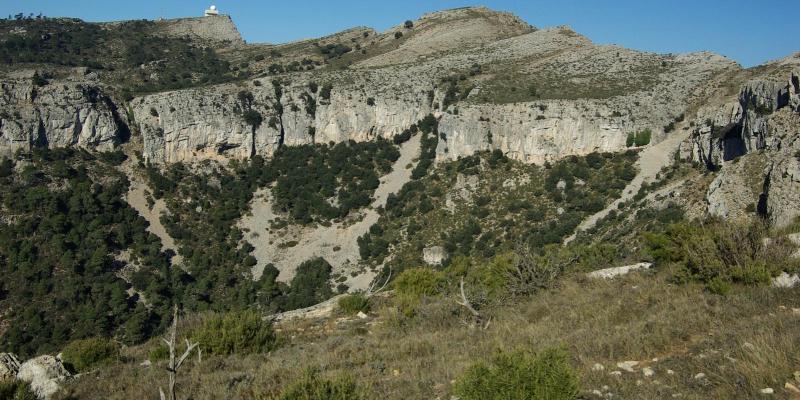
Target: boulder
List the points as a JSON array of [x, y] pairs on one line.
[[785, 281], [44, 373], [434, 255], [610, 273], [9, 366]]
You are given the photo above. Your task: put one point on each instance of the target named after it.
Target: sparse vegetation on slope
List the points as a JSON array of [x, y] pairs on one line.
[[510, 203]]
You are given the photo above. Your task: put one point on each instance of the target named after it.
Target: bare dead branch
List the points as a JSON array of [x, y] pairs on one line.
[[465, 302], [371, 291], [175, 364]]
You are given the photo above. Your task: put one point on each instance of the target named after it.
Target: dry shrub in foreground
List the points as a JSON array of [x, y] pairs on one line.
[[520, 376]]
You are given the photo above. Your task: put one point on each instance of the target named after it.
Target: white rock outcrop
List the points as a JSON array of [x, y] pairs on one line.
[[434, 255], [785, 281], [9, 366], [62, 113], [45, 375], [610, 273]]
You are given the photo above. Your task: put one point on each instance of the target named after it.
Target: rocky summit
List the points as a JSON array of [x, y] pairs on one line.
[[464, 206]]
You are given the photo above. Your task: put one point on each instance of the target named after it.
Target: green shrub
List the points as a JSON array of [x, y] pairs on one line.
[[630, 140], [413, 284], [717, 253], [252, 118], [643, 137], [325, 92], [418, 282], [82, 355], [354, 303], [719, 286], [310, 285], [158, 353], [311, 387], [241, 332], [520, 375], [16, 390], [486, 280]]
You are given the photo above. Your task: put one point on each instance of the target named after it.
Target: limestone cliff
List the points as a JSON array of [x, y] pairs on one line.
[[59, 113], [633, 91], [204, 123], [754, 142], [218, 29]]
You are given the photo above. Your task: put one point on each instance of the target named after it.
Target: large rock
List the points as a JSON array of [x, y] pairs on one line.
[[63, 113], [45, 374], [610, 273], [434, 255], [9, 366], [528, 133]]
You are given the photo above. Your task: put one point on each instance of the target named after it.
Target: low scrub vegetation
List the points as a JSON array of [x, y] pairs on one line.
[[86, 354], [718, 254], [16, 390], [311, 386], [242, 332], [520, 376], [353, 304]]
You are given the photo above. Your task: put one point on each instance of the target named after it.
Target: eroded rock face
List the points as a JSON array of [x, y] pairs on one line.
[[382, 95], [738, 128], [191, 125], [9, 366], [532, 132], [755, 143], [62, 113], [44, 373]]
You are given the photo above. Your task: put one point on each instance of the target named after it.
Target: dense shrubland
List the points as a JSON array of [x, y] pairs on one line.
[[323, 182], [72, 245], [511, 203], [64, 220], [719, 254]]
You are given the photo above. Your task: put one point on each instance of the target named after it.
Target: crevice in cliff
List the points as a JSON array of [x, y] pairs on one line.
[[278, 106], [123, 130], [733, 144], [41, 136], [763, 198]]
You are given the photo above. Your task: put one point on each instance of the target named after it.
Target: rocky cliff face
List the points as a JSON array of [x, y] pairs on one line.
[[197, 124], [60, 113], [740, 127], [383, 95], [217, 30], [755, 143]]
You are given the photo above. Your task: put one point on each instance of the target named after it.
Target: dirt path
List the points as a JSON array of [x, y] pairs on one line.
[[336, 243], [136, 199], [651, 161]]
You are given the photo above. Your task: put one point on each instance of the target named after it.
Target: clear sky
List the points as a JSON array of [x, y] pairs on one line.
[[748, 31]]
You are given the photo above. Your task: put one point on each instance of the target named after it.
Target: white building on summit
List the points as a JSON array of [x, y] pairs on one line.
[[212, 11]]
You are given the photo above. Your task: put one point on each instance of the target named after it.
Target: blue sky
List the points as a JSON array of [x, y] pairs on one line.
[[750, 32]]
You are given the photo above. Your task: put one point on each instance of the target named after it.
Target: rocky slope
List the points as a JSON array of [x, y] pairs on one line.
[[753, 140], [372, 100]]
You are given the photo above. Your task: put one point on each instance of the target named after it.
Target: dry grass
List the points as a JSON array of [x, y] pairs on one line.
[[743, 343]]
